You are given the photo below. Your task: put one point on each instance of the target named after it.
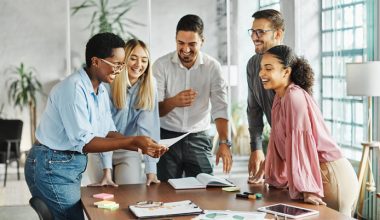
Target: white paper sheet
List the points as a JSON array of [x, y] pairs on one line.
[[169, 142]]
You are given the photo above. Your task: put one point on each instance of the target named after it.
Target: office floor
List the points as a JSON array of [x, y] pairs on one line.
[[14, 198]]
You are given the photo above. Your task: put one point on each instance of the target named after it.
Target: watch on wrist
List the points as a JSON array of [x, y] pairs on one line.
[[226, 142]]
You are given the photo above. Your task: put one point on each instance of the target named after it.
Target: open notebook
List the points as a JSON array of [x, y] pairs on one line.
[[202, 180]]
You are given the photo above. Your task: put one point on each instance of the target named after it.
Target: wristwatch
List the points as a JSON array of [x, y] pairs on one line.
[[226, 142]]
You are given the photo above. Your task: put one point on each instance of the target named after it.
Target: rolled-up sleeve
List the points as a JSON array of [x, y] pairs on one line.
[[106, 157], [149, 125], [159, 75], [218, 96]]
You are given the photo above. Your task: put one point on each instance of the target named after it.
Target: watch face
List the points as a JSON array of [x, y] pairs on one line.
[[227, 142]]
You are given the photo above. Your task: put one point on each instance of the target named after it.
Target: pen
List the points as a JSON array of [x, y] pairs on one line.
[[245, 196], [258, 195]]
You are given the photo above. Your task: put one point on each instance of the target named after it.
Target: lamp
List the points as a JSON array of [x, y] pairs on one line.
[[363, 80]]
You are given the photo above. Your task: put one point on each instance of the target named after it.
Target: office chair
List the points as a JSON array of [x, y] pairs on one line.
[[10, 138], [41, 208]]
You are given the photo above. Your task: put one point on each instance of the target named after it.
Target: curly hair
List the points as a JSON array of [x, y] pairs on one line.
[[302, 74], [101, 45]]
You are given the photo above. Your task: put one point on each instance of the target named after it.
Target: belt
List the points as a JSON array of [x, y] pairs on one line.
[[182, 133], [61, 151]]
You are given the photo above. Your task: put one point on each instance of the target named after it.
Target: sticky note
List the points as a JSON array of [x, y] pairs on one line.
[[103, 196], [104, 202], [109, 206], [231, 189]]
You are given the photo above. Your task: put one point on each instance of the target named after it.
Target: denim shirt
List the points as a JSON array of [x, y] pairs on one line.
[[132, 122], [75, 114]]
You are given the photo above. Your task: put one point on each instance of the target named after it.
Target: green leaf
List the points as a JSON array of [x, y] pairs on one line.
[[24, 87], [107, 17]]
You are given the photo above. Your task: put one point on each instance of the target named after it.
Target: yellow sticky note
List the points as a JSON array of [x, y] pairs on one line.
[[231, 189], [104, 202], [109, 206]]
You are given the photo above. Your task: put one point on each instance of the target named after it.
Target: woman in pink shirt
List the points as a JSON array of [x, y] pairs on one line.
[[301, 153]]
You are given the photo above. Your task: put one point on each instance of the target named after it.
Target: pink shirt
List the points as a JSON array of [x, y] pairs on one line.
[[299, 141]]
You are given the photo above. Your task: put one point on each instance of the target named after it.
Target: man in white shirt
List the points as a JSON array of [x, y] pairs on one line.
[[190, 87]]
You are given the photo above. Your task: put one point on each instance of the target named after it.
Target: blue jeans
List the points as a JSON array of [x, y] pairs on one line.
[[55, 177]]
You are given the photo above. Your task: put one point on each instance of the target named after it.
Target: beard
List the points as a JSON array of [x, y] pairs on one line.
[[187, 59], [260, 49]]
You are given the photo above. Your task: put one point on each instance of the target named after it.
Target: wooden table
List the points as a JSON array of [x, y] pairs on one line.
[[209, 199]]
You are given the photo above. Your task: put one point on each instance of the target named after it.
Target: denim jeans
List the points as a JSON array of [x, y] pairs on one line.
[[55, 177]]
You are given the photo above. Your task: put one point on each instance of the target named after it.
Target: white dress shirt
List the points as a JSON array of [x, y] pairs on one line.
[[205, 77]]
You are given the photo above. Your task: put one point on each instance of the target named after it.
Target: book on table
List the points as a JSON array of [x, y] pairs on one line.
[[202, 180]]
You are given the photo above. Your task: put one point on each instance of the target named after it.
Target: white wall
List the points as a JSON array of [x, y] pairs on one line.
[[32, 32], [245, 48], [164, 24]]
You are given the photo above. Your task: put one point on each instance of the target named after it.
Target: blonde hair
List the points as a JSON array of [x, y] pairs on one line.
[[145, 99]]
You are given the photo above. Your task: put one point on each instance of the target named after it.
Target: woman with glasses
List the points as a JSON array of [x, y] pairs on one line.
[[134, 110], [302, 155]]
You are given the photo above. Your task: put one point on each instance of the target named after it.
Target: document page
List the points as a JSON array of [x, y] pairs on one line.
[[169, 142], [210, 180], [186, 183]]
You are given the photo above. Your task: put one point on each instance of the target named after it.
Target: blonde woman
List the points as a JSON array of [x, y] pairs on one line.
[[134, 110]]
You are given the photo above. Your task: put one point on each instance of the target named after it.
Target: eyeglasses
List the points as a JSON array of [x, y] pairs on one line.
[[115, 67], [148, 204], [259, 32]]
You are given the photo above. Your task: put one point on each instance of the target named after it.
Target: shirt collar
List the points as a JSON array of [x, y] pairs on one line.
[[199, 61], [133, 88], [87, 83]]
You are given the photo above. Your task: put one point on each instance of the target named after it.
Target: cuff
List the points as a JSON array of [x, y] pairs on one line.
[[106, 159], [150, 164]]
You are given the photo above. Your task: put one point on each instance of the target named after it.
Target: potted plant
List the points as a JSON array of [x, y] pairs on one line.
[[22, 91], [109, 18]]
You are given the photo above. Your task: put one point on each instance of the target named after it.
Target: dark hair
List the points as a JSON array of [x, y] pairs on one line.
[[101, 45], [190, 23], [302, 74], [275, 17]]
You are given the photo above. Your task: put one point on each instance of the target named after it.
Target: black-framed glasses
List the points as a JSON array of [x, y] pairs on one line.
[[116, 67], [148, 204], [259, 32]]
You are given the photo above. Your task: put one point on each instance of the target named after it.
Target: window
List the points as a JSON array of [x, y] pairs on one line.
[[343, 40]]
